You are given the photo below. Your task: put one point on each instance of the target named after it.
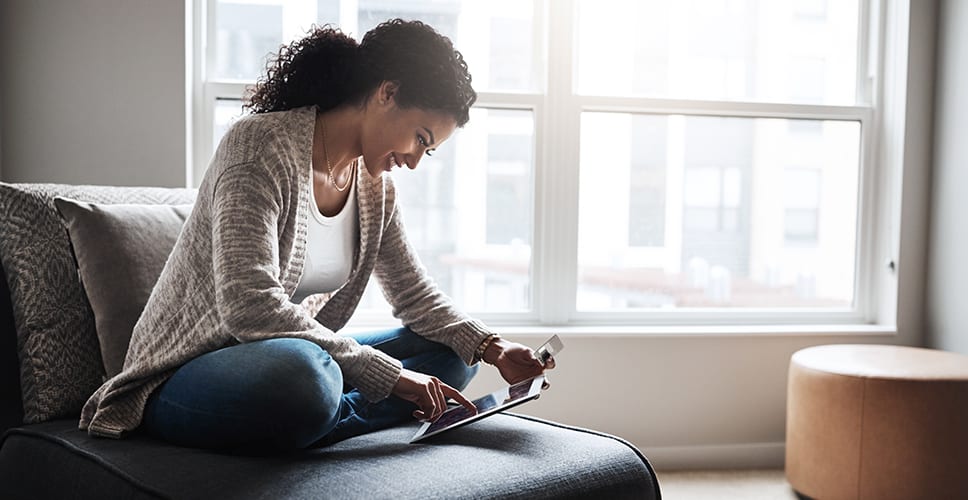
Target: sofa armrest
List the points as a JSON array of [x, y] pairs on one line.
[[11, 405]]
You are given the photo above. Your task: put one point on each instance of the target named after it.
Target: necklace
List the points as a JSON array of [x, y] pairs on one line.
[[329, 165]]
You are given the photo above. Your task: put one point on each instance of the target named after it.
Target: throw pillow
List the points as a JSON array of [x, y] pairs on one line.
[[120, 251], [60, 360]]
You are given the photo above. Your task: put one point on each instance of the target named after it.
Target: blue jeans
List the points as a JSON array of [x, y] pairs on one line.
[[285, 394]]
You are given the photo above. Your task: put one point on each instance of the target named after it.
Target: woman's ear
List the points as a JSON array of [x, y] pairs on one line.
[[388, 91]]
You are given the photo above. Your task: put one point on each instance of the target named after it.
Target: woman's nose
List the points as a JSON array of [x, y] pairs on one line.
[[412, 161]]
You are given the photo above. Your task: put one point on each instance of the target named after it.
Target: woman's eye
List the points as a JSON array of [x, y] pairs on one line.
[[423, 143]]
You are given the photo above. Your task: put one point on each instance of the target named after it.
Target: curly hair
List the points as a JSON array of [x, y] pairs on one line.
[[328, 69]]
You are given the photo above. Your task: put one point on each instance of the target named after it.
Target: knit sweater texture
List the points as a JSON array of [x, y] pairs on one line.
[[240, 257]]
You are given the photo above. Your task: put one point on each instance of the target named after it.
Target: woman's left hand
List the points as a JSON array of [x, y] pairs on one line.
[[516, 362]]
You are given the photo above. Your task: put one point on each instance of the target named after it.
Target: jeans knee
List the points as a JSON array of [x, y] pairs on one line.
[[309, 407], [455, 373]]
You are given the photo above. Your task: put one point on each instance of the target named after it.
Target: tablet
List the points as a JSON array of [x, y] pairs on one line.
[[487, 405]]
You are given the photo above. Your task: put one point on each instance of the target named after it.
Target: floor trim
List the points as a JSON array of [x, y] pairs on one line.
[[705, 457]]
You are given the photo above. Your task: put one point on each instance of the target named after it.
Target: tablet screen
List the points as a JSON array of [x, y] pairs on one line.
[[487, 405]]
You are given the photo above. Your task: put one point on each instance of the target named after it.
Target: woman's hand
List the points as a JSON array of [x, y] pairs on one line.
[[516, 362], [429, 394]]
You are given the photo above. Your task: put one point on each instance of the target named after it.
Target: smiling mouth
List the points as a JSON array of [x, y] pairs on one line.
[[393, 162]]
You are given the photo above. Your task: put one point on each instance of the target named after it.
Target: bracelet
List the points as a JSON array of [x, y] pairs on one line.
[[479, 354]]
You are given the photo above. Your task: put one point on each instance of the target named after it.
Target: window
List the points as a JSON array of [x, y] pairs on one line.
[[801, 205], [627, 162]]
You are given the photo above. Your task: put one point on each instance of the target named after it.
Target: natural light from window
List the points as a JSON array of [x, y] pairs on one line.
[[718, 163]]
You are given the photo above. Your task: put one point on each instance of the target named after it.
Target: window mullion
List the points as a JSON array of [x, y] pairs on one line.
[[224, 89], [502, 100], [722, 108], [865, 268], [556, 211], [863, 80]]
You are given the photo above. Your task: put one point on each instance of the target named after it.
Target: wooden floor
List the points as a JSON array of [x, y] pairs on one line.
[[727, 484]]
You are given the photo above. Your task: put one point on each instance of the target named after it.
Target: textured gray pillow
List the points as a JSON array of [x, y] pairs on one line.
[[120, 251], [60, 360]]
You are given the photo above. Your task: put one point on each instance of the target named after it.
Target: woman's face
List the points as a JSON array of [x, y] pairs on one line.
[[397, 137]]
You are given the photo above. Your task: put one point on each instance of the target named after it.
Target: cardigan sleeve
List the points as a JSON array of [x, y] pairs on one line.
[[252, 303], [415, 298]]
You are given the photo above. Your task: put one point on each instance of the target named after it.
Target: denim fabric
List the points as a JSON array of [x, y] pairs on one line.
[[286, 393]]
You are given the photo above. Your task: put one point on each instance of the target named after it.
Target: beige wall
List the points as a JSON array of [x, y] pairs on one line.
[[947, 294], [688, 401], [93, 91]]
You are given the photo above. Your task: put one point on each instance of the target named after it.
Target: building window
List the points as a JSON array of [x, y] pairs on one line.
[[801, 206], [625, 158]]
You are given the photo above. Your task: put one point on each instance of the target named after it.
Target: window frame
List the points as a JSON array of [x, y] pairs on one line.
[[557, 114]]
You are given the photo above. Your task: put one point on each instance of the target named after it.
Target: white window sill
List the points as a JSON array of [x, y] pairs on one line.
[[701, 331], [682, 331]]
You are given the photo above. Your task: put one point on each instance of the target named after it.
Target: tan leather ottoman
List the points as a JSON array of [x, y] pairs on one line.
[[877, 422]]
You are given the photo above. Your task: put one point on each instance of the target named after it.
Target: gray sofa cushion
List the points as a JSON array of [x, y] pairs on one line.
[[504, 456], [60, 360], [120, 251]]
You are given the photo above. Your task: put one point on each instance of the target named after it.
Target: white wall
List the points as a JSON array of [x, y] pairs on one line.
[[93, 91], [946, 314]]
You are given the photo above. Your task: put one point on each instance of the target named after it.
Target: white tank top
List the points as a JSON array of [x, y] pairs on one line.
[[330, 246]]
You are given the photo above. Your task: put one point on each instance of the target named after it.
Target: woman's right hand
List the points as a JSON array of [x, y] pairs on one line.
[[429, 394]]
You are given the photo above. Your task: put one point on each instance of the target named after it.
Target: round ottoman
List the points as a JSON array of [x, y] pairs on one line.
[[877, 421]]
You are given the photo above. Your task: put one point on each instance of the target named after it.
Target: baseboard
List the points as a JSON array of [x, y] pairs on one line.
[[727, 456]]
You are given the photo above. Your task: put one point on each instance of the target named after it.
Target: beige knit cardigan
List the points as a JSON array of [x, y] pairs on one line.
[[239, 258]]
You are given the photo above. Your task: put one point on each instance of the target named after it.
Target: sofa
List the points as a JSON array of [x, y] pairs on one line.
[[69, 293]]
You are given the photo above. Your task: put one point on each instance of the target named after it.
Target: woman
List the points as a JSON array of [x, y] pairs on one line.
[[296, 203]]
